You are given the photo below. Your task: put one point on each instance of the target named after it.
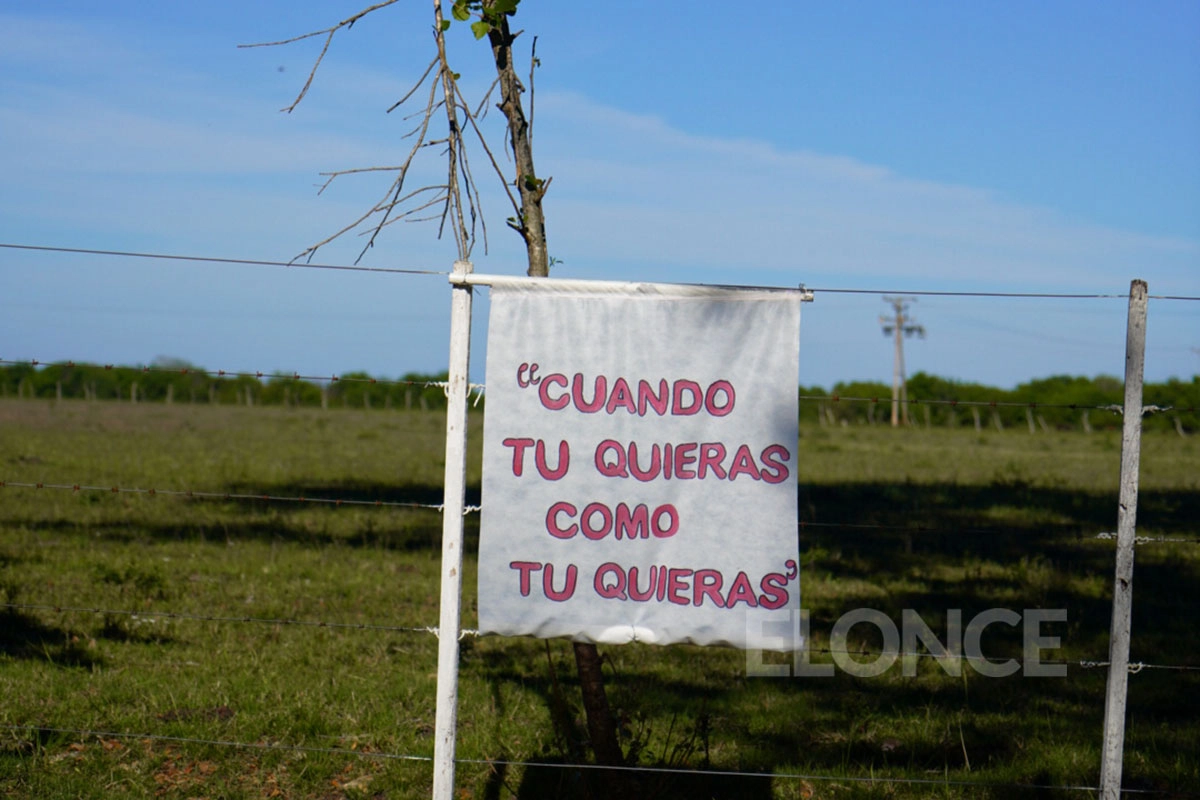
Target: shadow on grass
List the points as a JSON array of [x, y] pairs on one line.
[[1012, 727], [27, 638]]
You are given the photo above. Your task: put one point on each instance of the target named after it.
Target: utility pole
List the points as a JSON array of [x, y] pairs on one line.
[[899, 326]]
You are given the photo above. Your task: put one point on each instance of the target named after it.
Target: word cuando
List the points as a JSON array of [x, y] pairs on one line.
[[680, 398]]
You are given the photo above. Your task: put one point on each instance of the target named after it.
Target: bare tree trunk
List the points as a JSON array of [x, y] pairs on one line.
[[601, 730], [531, 223]]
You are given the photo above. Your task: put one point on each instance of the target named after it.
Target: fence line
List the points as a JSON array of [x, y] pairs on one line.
[[415, 271], [473, 509], [457, 382], [207, 495], [479, 389], [149, 613], [217, 260], [1032, 404], [1133, 667], [1026, 295], [493, 762], [221, 373]]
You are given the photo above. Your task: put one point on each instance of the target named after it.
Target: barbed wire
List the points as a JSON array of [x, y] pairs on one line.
[[1149, 539], [944, 531], [1021, 295], [475, 388], [209, 495], [1031, 404], [394, 270], [479, 389], [272, 621], [801, 525], [1134, 667], [42, 730], [218, 260]]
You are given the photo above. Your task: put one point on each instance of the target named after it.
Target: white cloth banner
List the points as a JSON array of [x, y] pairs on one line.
[[639, 466]]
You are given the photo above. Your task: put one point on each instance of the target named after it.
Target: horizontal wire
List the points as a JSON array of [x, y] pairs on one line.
[[297, 748], [1134, 667], [925, 529], [470, 509], [258, 375], [478, 388], [349, 268], [1027, 295], [1112, 407], [1150, 539], [215, 260], [359, 626], [203, 495], [493, 762], [934, 293]]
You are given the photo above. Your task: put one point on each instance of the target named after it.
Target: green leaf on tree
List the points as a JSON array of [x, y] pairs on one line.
[[481, 28], [460, 11], [445, 24]]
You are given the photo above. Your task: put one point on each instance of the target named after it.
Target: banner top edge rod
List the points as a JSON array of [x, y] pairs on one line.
[[642, 287]]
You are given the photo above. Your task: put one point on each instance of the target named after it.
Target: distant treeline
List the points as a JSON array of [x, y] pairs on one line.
[[1058, 402], [180, 382]]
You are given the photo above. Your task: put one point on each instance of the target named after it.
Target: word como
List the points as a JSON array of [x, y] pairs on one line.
[[791, 635]]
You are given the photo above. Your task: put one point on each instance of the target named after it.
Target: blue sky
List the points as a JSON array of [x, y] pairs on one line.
[[1011, 147]]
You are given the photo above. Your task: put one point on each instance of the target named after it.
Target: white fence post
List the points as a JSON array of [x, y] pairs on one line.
[[453, 503], [1118, 651]]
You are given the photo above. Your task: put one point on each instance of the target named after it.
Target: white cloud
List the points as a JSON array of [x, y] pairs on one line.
[[631, 187]]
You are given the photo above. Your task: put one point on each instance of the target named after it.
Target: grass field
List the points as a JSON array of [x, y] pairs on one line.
[[219, 650]]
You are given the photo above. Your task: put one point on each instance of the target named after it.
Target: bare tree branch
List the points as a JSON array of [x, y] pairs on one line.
[[483, 143], [533, 64], [454, 198], [348, 22], [416, 86]]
